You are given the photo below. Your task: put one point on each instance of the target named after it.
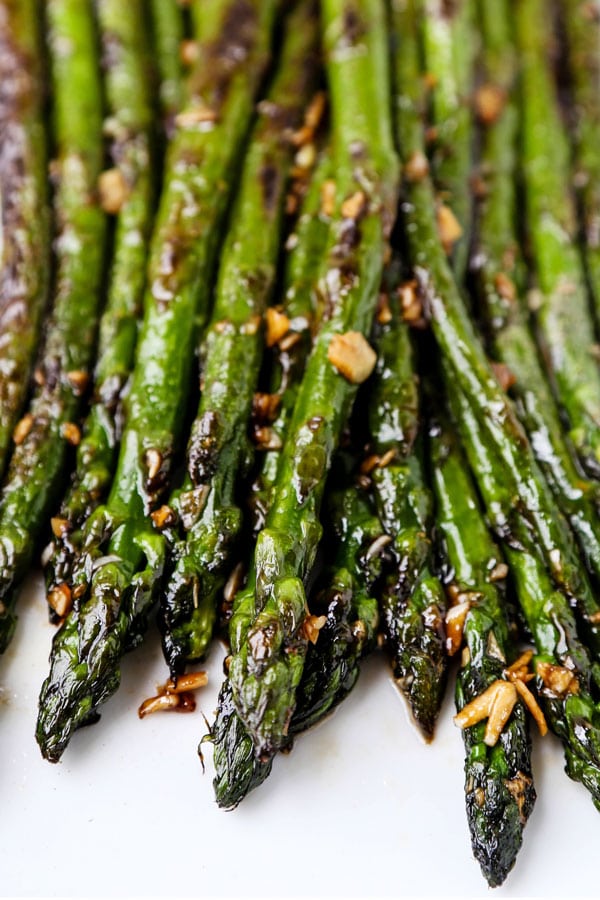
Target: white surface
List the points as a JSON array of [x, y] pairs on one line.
[[360, 808]]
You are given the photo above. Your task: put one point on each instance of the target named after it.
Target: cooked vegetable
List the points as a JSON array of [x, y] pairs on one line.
[[562, 310], [24, 212], [412, 598], [501, 291], [122, 554], [499, 790], [219, 452], [127, 191], [266, 666], [49, 427]]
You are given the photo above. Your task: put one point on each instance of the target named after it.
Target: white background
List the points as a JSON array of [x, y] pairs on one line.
[[360, 808]]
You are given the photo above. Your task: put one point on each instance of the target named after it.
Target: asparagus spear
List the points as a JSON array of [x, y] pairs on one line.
[[567, 678], [266, 666], [343, 622], [528, 496], [237, 771], [449, 38], [563, 316], [301, 312], [218, 450], [25, 226], [343, 611], [499, 790], [122, 556], [127, 188], [38, 461], [412, 600], [581, 21], [167, 37], [498, 270]]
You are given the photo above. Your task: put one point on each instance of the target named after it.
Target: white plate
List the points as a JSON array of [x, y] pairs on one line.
[[360, 808]]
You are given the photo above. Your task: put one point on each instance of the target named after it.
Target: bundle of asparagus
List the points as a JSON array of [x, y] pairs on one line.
[[308, 380]]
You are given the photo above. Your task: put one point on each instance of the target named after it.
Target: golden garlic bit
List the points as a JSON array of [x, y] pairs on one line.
[[496, 703], [175, 695]]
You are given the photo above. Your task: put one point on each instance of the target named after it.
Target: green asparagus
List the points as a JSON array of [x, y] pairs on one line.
[[499, 790], [450, 42], [218, 450], [343, 622], [128, 192], [567, 678], [37, 466], [122, 554], [167, 38], [581, 21], [499, 279], [528, 497], [25, 220], [266, 666], [237, 771], [563, 316], [412, 599]]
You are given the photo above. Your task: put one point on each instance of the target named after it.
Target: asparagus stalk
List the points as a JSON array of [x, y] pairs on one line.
[[343, 610], [412, 599], [449, 38], [563, 316], [343, 623], [122, 554], [167, 38], [498, 270], [528, 497], [25, 225], [266, 666], [128, 192], [302, 312], [581, 21], [567, 678], [499, 790], [237, 771], [218, 450], [49, 427]]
